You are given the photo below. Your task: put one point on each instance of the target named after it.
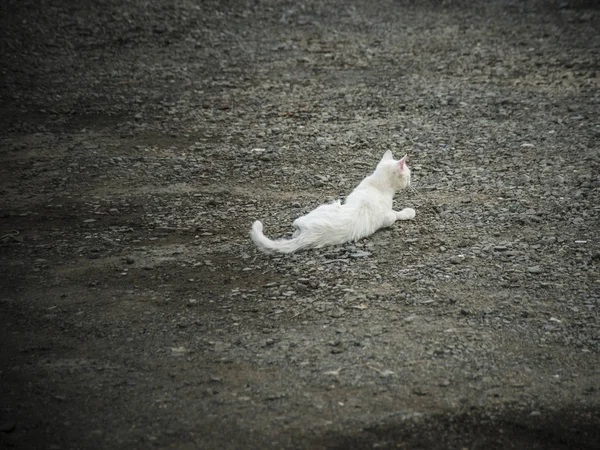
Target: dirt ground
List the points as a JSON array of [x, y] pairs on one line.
[[139, 141]]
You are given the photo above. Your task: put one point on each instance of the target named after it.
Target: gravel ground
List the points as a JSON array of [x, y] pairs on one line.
[[139, 141]]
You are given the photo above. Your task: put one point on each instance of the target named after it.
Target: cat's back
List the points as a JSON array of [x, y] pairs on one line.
[[369, 195], [327, 211]]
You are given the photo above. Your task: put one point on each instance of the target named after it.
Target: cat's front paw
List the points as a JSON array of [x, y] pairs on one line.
[[407, 214]]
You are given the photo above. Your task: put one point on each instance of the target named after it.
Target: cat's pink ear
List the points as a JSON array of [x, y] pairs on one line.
[[402, 162]]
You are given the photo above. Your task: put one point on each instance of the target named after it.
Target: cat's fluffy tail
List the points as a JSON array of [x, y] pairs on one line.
[[268, 246]]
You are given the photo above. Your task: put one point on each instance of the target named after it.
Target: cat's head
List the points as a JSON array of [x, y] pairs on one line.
[[394, 172]]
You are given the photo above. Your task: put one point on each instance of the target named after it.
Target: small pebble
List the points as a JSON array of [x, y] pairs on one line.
[[360, 254], [8, 426]]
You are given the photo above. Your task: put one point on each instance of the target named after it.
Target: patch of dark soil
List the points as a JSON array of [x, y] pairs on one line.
[[504, 429]]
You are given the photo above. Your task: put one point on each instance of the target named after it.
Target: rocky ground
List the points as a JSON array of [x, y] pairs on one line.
[[140, 140]]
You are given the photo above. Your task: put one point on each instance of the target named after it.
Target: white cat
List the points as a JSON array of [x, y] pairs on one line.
[[368, 208]]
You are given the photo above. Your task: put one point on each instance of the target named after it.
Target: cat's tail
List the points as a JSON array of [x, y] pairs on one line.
[[268, 246]]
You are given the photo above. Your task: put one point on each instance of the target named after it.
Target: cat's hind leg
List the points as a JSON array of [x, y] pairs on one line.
[[405, 214]]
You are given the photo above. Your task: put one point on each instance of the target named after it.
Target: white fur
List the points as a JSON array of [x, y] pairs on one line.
[[367, 209]]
